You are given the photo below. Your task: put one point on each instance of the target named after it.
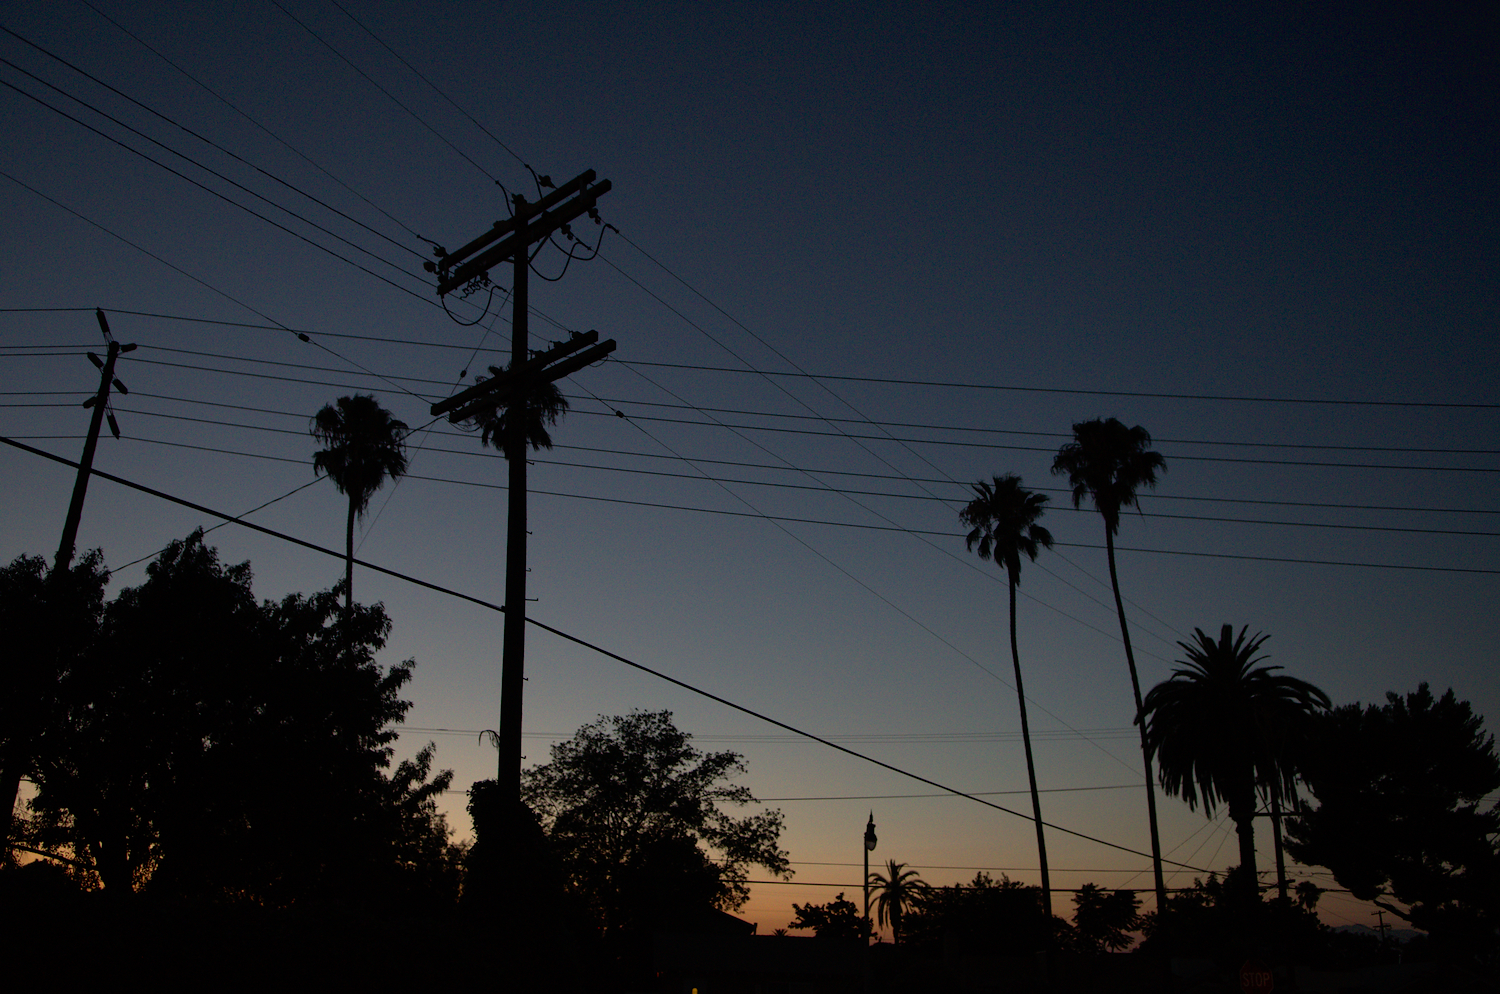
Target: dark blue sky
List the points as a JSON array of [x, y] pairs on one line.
[[1088, 209]]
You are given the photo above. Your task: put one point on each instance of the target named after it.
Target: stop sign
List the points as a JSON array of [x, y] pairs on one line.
[[1256, 978]]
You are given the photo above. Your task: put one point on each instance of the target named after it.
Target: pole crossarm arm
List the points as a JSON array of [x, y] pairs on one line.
[[503, 227], [509, 376], [528, 377], [523, 232]]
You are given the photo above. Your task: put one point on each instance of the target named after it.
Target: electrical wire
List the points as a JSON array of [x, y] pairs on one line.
[[277, 138], [949, 384], [584, 643], [206, 140], [367, 78]]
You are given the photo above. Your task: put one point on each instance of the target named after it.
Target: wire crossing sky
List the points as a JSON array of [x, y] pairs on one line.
[[857, 260]]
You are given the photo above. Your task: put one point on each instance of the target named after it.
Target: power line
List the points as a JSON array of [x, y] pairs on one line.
[[584, 643], [877, 423], [737, 429], [818, 521], [892, 381], [207, 141], [216, 95], [366, 76], [430, 83], [210, 190]]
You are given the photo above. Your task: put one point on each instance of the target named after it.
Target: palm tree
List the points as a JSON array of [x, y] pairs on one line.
[[1220, 729], [364, 446], [1003, 520], [898, 891], [545, 406], [1109, 462]]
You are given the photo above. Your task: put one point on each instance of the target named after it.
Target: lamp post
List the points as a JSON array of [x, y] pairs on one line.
[[869, 845]]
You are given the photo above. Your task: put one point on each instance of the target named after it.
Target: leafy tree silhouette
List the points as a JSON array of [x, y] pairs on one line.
[[1109, 462], [1218, 728], [1401, 813], [636, 817], [1102, 919], [205, 735], [838, 919], [364, 446], [897, 891], [47, 620], [1003, 521], [988, 916]]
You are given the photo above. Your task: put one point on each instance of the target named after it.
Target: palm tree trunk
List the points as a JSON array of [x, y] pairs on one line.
[[1276, 838], [1135, 685], [1243, 816], [1036, 800]]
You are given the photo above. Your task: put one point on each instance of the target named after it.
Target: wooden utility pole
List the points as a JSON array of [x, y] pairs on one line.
[[98, 402], [530, 223], [15, 760]]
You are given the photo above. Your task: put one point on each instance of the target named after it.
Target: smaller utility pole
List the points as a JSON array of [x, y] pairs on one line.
[[99, 402]]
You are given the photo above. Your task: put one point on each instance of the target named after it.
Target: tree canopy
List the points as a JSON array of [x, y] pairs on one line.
[[838, 919], [1401, 818], [203, 744], [637, 818]]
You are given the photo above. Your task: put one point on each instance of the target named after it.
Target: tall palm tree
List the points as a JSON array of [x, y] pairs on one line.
[[545, 406], [363, 447], [1109, 463], [1220, 728], [1003, 518], [897, 891]]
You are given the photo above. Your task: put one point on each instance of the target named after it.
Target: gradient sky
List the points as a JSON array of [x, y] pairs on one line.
[[1269, 237]]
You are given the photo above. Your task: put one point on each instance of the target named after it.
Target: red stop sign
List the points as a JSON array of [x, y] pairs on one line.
[[1256, 978]]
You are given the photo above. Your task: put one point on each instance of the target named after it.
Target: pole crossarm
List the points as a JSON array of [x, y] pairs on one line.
[[503, 393], [531, 223], [503, 227], [505, 379]]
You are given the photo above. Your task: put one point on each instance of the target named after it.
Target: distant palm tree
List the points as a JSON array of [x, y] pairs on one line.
[[364, 446], [545, 406], [898, 891], [1003, 518], [1109, 463], [1220, 727]]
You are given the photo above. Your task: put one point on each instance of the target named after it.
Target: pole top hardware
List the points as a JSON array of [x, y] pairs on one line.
[[531, 222]]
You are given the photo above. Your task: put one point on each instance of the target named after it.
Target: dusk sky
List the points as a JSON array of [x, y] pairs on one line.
[[861, 256]]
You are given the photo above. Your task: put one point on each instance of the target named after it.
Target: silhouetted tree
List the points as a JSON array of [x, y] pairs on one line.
[[1219, 729], [210, 738], [838, 919], [897, 891], [635, 815], [364, 446], [985, 916], [1102, 919], [1108, 462], [1401, 816], [545, 406], [47, 620], [1003, 522]]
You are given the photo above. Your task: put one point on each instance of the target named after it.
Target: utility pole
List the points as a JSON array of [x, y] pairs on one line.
[[99, 402], [530, 223], [12, 763]]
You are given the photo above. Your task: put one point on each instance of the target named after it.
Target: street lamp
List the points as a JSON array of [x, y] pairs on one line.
[[869, 845]]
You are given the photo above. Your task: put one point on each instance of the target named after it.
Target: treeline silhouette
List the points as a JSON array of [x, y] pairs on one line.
[[212, 782]]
